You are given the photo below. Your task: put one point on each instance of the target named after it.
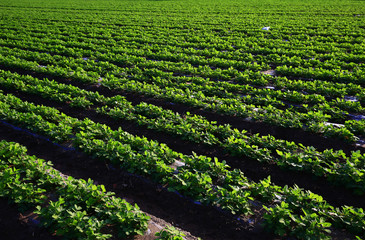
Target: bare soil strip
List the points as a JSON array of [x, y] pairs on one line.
[[15, 226]]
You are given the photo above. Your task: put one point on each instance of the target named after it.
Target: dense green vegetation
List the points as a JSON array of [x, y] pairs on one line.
[[290, 64]]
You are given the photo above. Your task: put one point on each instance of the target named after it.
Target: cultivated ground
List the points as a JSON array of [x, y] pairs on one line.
[[225, 119]]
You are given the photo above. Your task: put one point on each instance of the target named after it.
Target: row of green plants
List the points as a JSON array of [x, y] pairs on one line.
[[313, 120], [147, 52], [69, 207], [112, 55], [132, 35], [334, 165], [157, 35], [253, 45], [128, 60], [357, 75], [65, 93], [199, 177], [164, 51], [336, 107]]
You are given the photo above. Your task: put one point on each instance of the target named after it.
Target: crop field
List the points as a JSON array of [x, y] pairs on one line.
[[204, 119]]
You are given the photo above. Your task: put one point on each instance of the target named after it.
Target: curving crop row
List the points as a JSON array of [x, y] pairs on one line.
[[315, 120], [96, 52], [334, 165], [72, 208], [201, 178]]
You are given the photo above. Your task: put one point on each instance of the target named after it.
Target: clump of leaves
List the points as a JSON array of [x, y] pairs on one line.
[[170, 233]]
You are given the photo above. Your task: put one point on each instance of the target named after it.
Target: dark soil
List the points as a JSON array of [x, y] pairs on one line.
[[201, 221], [290, 134], [15, 226], [335, 195]]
